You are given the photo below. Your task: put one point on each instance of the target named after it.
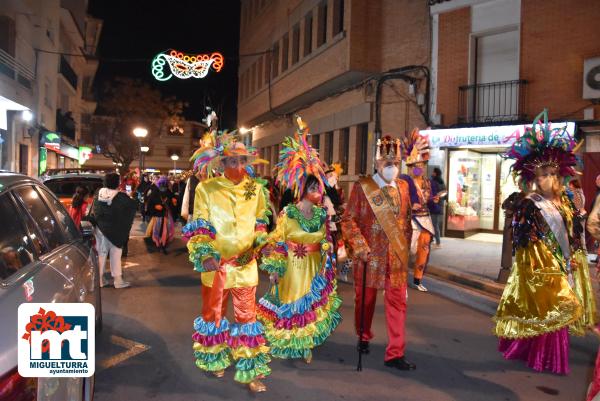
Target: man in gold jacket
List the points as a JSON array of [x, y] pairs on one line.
[[228, 227]]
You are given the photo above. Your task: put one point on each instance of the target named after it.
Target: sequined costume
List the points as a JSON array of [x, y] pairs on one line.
[[302, 310]]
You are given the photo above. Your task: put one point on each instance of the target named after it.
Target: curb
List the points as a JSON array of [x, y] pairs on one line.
[[467, 280]]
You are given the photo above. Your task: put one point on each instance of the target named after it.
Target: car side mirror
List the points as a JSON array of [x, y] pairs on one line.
[[87, 230]]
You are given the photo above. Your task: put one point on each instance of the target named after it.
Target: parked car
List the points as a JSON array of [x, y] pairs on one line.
[[64, 185], [43, 258]]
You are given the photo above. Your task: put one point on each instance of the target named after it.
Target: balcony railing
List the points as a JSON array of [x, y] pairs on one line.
[[68, 72], [13, 69], [492, 102]]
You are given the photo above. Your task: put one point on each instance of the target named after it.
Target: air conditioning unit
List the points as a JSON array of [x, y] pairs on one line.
[[591, 78]]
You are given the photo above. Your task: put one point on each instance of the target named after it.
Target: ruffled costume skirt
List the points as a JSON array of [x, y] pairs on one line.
[[302, 311]]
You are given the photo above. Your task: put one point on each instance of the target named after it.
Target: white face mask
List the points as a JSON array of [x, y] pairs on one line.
[[389, 173], [332, 181]]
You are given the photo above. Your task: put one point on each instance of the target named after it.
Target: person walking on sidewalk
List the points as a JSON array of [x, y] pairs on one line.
[[436, 203], [113, 213], [548, 294], [161, 205], [226, 233], [416, 155], [377, 228], [300, 311]]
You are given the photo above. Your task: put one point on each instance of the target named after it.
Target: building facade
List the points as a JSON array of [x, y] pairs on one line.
[[496, 64], [47, 67], [353, 69]]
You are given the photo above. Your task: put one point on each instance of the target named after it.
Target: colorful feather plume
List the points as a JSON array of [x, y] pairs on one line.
[[543, 146], [298, 160], [415, 147]]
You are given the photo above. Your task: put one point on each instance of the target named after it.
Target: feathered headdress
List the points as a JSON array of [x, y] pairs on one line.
[[298, 160], [207, 159], [415, 147], [543, 146], [335, 168]]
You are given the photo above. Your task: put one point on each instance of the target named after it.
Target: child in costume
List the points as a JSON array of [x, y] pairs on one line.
[[226, 233], [549, 290], [301, 309]]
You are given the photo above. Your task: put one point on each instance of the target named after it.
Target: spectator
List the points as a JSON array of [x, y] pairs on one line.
[[79, 205], [436, 203], [113, 212]]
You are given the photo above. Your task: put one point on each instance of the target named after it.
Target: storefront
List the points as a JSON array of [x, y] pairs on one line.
[[477, 177], [55, 153]]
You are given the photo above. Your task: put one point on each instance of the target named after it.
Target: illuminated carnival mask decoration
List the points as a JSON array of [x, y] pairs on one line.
[[185, 66]]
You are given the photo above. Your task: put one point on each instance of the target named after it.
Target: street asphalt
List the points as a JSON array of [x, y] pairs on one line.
[[145, 349]]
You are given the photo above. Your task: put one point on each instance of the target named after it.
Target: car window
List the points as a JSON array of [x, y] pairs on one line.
[[65, 187], [61, 213], [41, 214], [16, 248]]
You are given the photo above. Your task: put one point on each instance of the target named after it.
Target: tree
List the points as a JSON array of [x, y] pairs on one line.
[[125, 104]]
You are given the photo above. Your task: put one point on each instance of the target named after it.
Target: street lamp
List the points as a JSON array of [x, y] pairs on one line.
[[139, 133], [144, 150], [174, 158]]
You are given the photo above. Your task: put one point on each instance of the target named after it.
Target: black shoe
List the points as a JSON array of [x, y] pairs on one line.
[[363, 347], [400, 363], [165, 251]]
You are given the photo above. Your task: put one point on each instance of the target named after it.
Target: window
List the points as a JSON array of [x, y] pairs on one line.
[[61, 213], [246, 85], [267, 68], [322, 24], [362, 147], [16, 247], [241, 87], [275, 60], [7, 34], [344, 147], [295, 44], [285, 52], [308, 29], [315, 142], [328, 147], [338, 16], [253, 79], [259, 73], [50, 228]]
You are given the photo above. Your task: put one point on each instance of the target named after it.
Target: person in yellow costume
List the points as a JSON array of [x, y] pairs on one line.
[[549, 292], [301, 309], [227, 230]]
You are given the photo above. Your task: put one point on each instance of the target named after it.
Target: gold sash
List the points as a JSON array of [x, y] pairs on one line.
[[386, 218]]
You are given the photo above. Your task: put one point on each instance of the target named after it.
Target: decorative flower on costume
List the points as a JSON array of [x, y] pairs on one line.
[[298, 160]]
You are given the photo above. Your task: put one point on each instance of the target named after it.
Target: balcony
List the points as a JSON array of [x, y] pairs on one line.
[[67, 71], [492, 102], [16, 71]]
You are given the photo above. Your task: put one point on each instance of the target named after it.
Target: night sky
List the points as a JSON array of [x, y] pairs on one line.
[[135, 31]]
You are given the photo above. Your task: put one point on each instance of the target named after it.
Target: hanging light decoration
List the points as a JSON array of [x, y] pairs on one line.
[[183, 66]]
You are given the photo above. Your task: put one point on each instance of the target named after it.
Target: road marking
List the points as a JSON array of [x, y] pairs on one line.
[[130, 264], [133, 348]]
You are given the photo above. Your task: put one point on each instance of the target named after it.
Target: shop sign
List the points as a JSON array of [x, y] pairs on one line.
[[504, 135], [85, 154], [50, 140], [69, 151]]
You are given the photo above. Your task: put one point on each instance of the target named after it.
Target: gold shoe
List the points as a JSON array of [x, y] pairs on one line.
[[308, 359], [256, 386], [219, 373]]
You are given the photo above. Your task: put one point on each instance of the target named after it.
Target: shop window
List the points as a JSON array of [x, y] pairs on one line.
[[285, 52], [338, 16], [344, 148], [275, 60], [295, 44], [308, 30], [322, 24]]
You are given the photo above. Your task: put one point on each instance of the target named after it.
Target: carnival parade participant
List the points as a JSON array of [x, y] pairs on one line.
[[548, 292], [301, 309], [416, 155], [377, 227], [227, 231], [161, 208]]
